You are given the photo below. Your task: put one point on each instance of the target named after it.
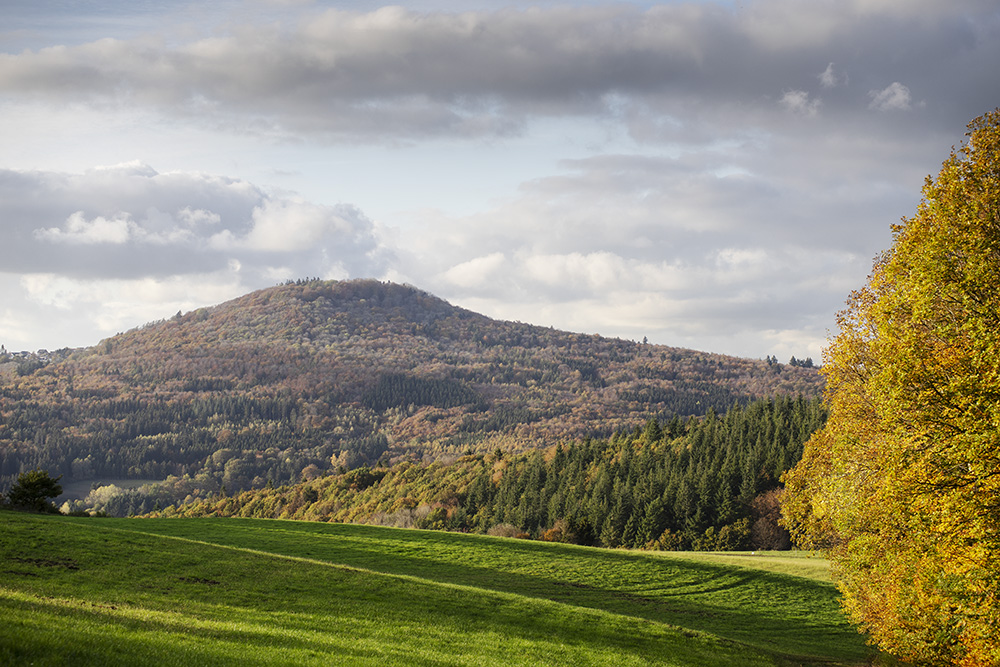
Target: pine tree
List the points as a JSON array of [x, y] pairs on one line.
[[32, 491]]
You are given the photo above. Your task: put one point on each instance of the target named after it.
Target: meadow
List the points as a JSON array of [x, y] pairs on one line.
[[82, 591]]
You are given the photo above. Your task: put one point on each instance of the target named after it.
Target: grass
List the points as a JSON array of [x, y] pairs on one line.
[[242, 591], [806, 564]]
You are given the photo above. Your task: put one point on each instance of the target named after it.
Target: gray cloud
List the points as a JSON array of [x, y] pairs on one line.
[[394, 73]]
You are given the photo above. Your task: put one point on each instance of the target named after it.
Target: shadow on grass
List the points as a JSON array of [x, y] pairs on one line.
[[141, 599], [761, 609]]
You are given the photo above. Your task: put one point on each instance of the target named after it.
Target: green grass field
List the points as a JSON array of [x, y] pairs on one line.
[[239, 591]]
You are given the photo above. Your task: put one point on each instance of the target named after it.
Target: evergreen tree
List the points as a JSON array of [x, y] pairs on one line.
[[32, 491]]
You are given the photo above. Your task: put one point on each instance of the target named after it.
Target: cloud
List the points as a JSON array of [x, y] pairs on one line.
[[394, 73], [593, 272], [694, 172], [112, 305], [476, 272], [894, 97], [137, 222], [797, 101], [691, 250], [115, 245], [99, 230], [197, 217], [830, 78]]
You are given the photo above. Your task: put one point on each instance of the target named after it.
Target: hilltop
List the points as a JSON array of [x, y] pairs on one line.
[[308, 377]]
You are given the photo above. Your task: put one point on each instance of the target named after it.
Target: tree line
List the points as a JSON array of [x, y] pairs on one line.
[[684, 483]]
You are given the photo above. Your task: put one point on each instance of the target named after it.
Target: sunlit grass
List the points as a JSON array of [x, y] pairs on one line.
[[808, 564], [226, 591]]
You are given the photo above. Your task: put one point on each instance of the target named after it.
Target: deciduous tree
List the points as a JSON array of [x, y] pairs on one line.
[[904, 480]]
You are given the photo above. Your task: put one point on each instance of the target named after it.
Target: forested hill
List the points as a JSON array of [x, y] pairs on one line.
[[307, 377], [705, 484]]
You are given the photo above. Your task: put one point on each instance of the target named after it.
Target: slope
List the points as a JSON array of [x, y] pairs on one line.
[[265, 592]]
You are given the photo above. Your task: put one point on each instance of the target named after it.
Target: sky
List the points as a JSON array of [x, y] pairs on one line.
[[715, 175]]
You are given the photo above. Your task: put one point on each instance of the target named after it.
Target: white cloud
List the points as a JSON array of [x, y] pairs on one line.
[[288, 226], [197, 217], [111, 305], [797, 101], [742, 265], [78, 229], [894, 97], [594, 272], [135, 244], [476, 272], [830, 78], [174, 223], [136, 168]]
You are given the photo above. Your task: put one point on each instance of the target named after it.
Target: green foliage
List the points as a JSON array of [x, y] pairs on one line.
[[228, 592], [705, 484], [904, 479], [29, 366], [32, 491], [400, 390]]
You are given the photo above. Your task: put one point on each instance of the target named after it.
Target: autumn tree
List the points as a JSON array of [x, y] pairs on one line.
[[904, 479]]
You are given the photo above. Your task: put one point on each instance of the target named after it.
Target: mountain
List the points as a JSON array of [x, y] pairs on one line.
[[308, 377]]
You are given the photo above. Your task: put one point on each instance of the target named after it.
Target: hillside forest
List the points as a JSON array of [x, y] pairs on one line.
[[707, 483], [313, 377]]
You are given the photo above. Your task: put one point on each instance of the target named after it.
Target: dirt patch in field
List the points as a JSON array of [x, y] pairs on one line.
[[66, 563]]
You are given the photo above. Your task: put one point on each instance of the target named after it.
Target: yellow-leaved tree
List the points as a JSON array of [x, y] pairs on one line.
[[903, 482]]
